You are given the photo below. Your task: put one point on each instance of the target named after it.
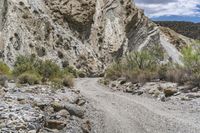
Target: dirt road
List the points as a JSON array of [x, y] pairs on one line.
[[123, 113]]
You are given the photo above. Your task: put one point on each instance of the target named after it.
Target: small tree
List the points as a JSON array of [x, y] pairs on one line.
[[141, 60]]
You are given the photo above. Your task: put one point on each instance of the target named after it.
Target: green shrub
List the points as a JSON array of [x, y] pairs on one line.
[[26, 63], [70, 70], [136, 67], [162, 71], [114, 71], [191, 59], [49, 70], [81, 74], [30, 78], [4, 69], [32, 70], [140, 60], [57, 83]]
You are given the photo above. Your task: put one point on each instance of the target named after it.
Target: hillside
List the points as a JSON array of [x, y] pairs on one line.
[[88, 37], [188, 29]]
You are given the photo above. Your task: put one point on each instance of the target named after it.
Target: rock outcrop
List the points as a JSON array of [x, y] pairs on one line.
[[87, 34]]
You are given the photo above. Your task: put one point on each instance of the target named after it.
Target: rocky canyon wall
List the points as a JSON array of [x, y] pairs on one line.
[[86, 34]]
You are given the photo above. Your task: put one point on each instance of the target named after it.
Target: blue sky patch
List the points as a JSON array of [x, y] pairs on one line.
[[175, 10]]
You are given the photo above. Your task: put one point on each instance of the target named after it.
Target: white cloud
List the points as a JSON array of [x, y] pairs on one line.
[[158, 8]]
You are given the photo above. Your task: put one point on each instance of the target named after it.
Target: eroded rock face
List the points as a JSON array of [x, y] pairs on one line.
[[78, 14], [87, 34]]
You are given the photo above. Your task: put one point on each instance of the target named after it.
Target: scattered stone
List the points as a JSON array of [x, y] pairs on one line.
[[185, 88], [162, 97], [154, 91], [129, 90], [193, 95], [55, 124], [140, 92], [81, 102], [196, 89], [75, 110], [57, 106], [177, 93], [170, 91], [76, 91], [41, 105], [86, 127], [20, 126], [63, 113], [20, 98], [122, 81], [184, 98], [32, 131]]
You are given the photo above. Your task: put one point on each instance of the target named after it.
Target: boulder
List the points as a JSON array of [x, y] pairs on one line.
[[196, 89], [122, 80], [55, 124], [140, 92], [185, 88], [81, 102], [75, 110], [86, 127], [57, 106], [193, 95], [128, 90], [170, 91], [63, 113]]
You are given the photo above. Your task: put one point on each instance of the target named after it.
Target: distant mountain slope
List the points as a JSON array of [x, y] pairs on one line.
[[188, 29]]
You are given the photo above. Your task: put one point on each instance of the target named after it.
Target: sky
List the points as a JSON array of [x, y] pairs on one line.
[[172, 10]]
